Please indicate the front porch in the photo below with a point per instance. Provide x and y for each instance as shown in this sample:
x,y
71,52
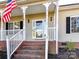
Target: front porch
x,y
38,23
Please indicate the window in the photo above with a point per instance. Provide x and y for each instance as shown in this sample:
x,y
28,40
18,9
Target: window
x,y
39,29
74,24
17,25
13,27
10,26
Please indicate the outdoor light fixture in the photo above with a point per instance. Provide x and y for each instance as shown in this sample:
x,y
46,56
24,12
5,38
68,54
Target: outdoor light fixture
x,y
28,21
50,18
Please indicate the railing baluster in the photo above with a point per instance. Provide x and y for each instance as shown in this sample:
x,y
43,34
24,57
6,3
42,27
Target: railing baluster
x,y
52,33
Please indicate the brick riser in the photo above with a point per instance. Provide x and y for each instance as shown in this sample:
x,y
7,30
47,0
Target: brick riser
x,y
2,45
30,50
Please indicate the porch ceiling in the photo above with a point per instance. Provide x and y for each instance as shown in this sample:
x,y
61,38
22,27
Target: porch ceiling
x,y
33,10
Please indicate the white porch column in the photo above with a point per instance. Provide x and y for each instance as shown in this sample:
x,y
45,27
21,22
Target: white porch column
x,y
24,21
46,30
1,26
57,22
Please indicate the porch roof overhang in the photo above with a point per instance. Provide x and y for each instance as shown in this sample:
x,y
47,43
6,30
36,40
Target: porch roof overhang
x,y
35,6
32,2
26,2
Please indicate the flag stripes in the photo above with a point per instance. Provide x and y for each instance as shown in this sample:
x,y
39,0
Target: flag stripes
x,y
7,11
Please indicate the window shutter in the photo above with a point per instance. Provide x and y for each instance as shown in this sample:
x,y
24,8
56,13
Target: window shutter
x,y
21,24
7,26
68,25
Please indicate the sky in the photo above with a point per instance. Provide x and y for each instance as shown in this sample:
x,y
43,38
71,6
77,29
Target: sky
x,y
63,2
1,0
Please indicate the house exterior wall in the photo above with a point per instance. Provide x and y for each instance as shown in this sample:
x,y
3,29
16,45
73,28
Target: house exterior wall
x,y
63,36
76,45
52,47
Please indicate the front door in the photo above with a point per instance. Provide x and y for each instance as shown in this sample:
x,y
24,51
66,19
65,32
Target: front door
x,y
38,27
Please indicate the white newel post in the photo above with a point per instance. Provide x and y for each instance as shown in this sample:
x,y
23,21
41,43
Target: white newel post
x,y
8,48
57,22
7,41
1,26
46,30
24,21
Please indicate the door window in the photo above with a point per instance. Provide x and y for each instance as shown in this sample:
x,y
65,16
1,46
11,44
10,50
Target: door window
x,y
38,29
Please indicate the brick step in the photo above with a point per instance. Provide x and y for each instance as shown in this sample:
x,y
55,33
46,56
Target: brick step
x,y
32,44
38,52
30,50
32,47
28,43
26,50
2,45
30,56
33,41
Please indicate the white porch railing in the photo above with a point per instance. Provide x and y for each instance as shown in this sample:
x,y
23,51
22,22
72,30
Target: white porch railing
x,y
13,43
51,33
8,33
13,38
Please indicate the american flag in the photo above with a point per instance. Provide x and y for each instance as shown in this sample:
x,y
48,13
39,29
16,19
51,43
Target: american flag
x,y
11,4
